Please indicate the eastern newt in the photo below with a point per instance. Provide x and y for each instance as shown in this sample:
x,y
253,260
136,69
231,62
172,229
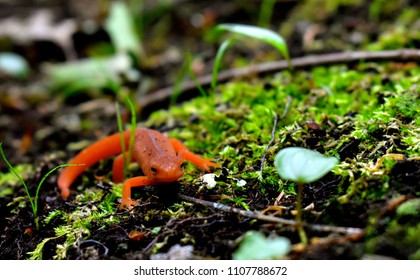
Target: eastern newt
x,y
159,158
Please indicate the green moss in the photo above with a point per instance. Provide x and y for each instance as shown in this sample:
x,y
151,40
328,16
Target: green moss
x,y
348,105
396,238
403,32
410,208
93,210
367,188
411,138
357,114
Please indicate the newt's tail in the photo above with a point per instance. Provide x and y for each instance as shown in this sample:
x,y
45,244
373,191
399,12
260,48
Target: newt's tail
x,y
102,149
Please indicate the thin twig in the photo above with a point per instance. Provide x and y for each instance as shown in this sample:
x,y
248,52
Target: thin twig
x,y
276,66
271,219
273,131
152,243
287,107
273,136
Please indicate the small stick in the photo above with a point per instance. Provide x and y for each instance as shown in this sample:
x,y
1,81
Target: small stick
x,y
346,57
273,136
271,219
286,108
273,131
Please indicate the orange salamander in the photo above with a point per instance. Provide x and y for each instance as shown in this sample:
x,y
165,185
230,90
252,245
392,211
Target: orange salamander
x,y
159,158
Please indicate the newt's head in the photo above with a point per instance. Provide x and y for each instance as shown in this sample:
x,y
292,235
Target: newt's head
x,y
165,169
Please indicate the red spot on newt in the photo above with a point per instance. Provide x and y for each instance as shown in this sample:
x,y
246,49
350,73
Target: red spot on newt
x,y
159,158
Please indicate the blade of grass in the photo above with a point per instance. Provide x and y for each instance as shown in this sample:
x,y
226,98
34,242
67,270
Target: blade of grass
x,y
48,174
132,128
33,202
220,52
126,155
121,130
194,77
186,68
178,83
38,188
34,207
263,34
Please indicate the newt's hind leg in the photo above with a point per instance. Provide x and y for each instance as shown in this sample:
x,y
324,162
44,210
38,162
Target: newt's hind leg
x,y
118,168
183,152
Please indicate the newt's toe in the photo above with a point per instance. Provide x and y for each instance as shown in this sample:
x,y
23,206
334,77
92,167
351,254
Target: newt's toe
x,y
206,164
127,204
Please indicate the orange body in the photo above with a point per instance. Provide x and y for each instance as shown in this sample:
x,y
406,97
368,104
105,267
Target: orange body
x,y
159,158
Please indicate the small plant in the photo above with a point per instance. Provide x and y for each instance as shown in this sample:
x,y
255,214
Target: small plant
x,y
122,18
266,12
106,69
219,55
255,246
302,166
259,33
127,156
32,201
13,65
187,69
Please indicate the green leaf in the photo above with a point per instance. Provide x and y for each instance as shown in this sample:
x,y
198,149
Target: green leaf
x,y
302,165
13,65
88,74
263,34
220,52
120,27
255,246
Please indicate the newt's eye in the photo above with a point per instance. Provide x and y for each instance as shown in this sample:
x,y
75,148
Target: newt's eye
x,y
153,169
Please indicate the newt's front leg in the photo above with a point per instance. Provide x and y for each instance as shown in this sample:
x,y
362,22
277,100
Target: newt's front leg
x,y
203,163
139,181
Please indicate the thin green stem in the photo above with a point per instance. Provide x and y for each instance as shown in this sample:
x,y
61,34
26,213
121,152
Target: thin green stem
x,y
40,184
126,156
299,224
33,205
219,55
178,84
34,201
194,77
48,174
121,130
132,129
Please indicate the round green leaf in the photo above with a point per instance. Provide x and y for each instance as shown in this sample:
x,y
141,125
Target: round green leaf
x,y
255,246
14,65
302,165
